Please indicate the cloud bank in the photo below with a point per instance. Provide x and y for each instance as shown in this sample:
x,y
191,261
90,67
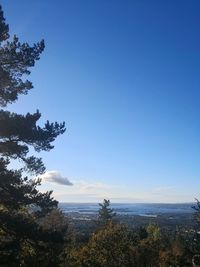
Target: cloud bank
x,y
55,177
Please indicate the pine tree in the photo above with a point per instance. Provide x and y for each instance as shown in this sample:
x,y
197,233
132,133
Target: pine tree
x,y
105,212
21,204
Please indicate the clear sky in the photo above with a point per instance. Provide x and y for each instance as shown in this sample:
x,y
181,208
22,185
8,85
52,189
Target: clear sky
x,y
124,75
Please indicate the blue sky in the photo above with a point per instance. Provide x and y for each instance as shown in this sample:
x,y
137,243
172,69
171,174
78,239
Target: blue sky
x,y
124,75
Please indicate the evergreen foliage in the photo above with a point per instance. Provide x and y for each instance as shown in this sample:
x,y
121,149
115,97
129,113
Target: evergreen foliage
x,y
105,212
22,238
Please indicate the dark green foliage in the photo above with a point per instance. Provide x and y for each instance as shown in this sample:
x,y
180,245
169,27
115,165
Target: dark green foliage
x,y
15,60
18,192
197,211
18,132
196,240
24,241
4,35
105,212
142,233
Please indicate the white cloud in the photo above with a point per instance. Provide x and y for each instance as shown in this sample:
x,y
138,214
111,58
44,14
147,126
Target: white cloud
x,y
55,177
95,191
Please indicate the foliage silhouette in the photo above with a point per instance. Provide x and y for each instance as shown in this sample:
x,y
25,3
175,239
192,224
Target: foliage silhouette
x,y
22,206
106,214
